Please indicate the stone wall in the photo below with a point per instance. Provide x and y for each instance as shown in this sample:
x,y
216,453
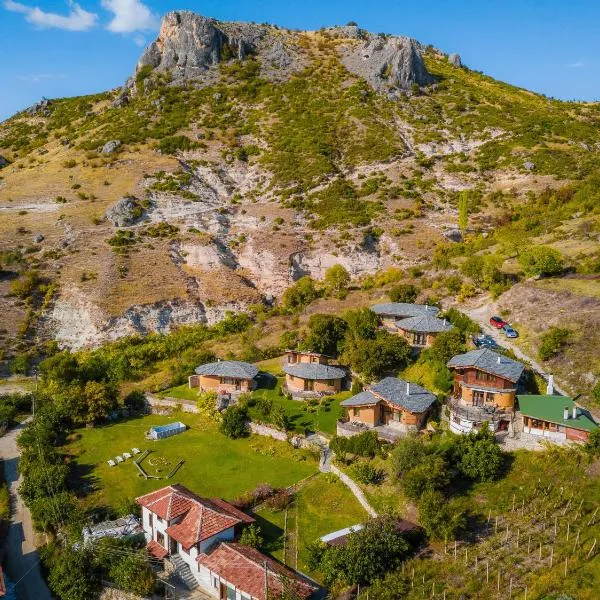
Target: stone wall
x,y
155,404
260,429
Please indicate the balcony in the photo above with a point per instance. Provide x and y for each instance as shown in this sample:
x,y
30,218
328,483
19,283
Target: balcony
x,y
478,414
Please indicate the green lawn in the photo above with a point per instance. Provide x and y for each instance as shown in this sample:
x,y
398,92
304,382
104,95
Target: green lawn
x,y
304,415
324,504
214,464
182,392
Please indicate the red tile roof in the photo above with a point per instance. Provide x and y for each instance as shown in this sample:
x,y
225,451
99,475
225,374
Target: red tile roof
x,y
156,549
244,567
202,518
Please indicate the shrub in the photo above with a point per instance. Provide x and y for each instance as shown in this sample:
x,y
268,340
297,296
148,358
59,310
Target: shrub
x,y
552,342
541,261
234,424
207,404
437,517
337,279
299,295
251,536
170,145
364,444
404,292
280,500
366,473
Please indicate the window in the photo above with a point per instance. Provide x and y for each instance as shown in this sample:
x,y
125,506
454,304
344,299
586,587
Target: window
x,y
309,385
355,412
482,376
150,520
215,582
160,538
478,398
314,359
420,339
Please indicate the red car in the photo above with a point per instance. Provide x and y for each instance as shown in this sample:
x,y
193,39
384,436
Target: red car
x,y
497,322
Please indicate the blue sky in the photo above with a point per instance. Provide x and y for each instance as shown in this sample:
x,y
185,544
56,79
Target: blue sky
x,y
65,48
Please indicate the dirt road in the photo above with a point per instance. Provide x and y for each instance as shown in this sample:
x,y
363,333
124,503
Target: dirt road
x,y
23,559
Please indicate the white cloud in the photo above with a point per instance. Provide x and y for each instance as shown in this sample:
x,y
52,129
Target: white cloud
x,y
129,16
38,77
576,65
78,19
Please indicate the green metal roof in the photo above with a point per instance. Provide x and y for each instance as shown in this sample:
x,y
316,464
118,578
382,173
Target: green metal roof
x,y
551,408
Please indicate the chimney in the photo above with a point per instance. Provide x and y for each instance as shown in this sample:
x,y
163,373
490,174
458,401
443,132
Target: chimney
x,y
574,411
566,413
550,386
407,388
499,359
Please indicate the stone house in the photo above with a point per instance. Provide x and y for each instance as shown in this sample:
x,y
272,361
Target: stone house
x,y
420,332
391,312
484,390
392,403
309,374
225,376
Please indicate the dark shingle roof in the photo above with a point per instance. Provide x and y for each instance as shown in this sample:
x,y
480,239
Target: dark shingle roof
x,y
314,371
404,309
361,399
491,362
425,324
408,395
228,368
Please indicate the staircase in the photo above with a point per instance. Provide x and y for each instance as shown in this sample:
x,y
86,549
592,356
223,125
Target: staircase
x,y
183,572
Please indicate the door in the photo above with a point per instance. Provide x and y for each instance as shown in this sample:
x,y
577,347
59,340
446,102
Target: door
x,y
223,592
172,546
309,385
478,398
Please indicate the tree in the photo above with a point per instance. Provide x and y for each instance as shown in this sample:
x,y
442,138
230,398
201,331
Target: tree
x,y
299,295
325,332
552,342
541,261
207,404
431,475
446,345
100,399
337,280
71,573
408,454
235,422
362,322
437,518
135,401
133,574
404,292
593,443
478,455
251,536
463,210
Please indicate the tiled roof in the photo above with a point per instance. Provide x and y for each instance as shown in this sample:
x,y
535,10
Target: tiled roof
x,y
202,518
244,567
228,368
551,408
424,324
156,549
361,399
489,361
314,371
408,395
404,309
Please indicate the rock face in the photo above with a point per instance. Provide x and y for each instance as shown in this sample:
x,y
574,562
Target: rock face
x,y
41,107
110,146
127,211
189,45
454,59
388,63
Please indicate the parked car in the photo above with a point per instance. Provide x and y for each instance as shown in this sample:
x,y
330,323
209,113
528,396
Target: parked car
x,y
498,322
509,332
485,341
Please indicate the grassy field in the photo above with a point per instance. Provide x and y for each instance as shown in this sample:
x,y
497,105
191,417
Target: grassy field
x,y
322,505
183,392
214,464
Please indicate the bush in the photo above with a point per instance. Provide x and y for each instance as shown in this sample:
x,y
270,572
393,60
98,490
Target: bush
x,y
364,444
299,295
170,145
431,475
552,342
234,424
251,536
404,292
541,261
437,517
207,404
337,279
280,500
365,472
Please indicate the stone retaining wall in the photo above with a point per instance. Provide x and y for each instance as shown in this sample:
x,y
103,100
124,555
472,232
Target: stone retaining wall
x,y
155,402
261,429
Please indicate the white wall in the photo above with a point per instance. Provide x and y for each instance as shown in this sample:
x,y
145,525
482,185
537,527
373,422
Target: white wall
x,y
552,435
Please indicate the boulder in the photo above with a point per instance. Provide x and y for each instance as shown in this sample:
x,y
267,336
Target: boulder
x,y
122,99
38,238
528,165
454,235
454,59
126,212
110,146
41,107
3,162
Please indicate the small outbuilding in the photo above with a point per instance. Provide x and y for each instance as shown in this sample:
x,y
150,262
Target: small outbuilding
x,y
225,376
421,331
313,379
160,432
555,417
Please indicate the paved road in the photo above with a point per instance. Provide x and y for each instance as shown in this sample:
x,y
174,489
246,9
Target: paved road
x,y
481,315
23,559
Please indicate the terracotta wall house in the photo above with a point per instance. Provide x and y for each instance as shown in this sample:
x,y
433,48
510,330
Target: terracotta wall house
x,y
420,332
485,388
313,378
391,312
225,376
392,402
293,357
